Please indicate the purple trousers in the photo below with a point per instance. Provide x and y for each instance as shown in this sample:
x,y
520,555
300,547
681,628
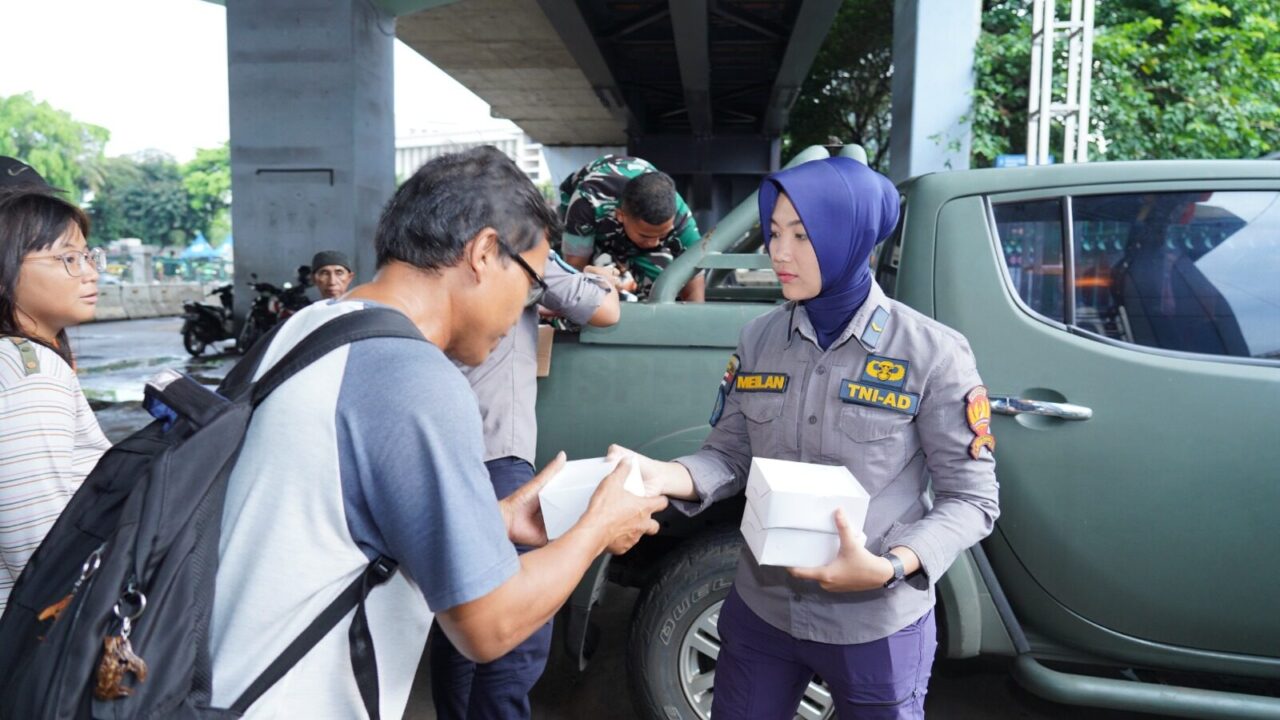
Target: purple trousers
x,y
762,672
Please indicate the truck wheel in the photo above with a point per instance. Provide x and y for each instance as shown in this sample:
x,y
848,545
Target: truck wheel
x,y
672,650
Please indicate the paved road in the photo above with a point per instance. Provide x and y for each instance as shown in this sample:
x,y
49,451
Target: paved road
x,y
980,689
116,358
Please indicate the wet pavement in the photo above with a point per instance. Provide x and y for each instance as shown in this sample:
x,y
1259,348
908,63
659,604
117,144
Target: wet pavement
x,y
116,358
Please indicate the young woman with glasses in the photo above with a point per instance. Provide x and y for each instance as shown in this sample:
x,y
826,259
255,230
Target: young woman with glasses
x,y
49,438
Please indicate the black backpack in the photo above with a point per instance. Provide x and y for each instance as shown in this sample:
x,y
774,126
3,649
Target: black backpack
x,y
126,575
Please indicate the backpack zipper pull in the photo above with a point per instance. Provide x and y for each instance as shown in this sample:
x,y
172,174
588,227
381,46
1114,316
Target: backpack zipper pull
x,y
91,565
118,657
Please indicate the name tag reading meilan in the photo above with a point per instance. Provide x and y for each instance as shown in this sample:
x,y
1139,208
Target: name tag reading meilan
x,y
761,382
879,397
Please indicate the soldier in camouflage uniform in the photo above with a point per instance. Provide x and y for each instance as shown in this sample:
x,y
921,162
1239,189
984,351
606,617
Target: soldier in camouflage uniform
x,y
625,207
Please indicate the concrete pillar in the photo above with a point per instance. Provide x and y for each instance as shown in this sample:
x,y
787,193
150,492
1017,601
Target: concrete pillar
x,y
933,43
312,133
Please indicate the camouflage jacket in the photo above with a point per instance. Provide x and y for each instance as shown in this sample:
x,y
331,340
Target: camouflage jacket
x,y
588,204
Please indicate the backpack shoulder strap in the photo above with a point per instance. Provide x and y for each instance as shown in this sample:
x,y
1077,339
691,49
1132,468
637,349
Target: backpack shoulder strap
x,y
352,327
241,374
363,661
27,351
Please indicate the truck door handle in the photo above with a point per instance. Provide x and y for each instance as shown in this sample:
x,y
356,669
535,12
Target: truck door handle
x,y
1005,405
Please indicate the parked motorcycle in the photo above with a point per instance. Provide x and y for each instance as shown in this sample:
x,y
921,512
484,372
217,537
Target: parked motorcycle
x,y
206,323
272,305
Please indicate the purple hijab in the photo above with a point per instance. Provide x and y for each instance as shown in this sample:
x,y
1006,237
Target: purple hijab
x,y
846,208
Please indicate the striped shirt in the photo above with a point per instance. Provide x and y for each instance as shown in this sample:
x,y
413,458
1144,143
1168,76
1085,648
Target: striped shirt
x,y
49,441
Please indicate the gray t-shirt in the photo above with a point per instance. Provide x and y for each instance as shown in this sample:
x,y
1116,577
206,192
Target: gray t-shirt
x,y
373,449
505,384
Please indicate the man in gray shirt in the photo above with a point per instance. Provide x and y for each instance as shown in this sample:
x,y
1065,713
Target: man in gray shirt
x,y
505,385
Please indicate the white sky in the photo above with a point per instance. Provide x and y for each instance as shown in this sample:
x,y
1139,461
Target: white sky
x,y
154,72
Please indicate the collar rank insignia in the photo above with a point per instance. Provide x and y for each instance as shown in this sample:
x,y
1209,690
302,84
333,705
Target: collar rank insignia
x,y
875,327
762,382
978,413
726,386
889,372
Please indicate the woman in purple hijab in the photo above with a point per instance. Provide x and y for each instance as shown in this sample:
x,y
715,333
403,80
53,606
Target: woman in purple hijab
x,y
841,375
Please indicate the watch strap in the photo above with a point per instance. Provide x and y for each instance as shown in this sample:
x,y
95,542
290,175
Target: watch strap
x,y
899,570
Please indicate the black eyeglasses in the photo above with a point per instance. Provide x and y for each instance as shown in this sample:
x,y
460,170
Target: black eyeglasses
x,y
537,286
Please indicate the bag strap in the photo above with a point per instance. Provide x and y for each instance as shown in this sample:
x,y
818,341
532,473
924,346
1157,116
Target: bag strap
x,y
30,362
241,374
352,327
363,661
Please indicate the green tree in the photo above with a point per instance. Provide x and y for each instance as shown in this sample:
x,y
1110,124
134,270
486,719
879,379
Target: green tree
x,y
143,196
1171,79
847,93
207,181
66,152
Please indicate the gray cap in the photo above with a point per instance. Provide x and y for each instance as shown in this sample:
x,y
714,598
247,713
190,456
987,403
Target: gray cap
x,y
330,257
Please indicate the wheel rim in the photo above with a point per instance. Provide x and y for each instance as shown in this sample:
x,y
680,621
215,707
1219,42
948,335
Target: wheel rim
x,y
697,667
194,345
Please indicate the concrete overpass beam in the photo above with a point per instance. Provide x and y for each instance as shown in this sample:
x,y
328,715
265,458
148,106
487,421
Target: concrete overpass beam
x,y
933,44
689,19
312,132
812,23
581,44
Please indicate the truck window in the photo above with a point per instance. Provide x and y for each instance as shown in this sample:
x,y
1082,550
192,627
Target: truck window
x,y
1188,271
887,256
1031,237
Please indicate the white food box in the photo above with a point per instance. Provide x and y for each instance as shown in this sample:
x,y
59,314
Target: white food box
x,y
565,497
790,515
788,547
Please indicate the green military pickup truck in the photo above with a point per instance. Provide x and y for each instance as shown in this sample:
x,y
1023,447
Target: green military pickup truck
x,y
1126,318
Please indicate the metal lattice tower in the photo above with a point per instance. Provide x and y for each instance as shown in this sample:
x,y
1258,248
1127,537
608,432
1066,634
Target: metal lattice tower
x,y
1074,111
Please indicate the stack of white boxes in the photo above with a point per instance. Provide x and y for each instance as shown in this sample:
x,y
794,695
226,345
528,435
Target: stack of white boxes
x,y
790,515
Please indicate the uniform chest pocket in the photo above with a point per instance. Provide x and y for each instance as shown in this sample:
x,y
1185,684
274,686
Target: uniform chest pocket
x,y
865,424
765,429
876,444
761,407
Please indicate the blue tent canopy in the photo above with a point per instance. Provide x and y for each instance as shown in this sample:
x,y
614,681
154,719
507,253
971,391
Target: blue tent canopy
x,y
200,249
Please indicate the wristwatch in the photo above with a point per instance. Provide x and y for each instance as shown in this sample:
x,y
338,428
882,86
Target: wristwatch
x,y
898,570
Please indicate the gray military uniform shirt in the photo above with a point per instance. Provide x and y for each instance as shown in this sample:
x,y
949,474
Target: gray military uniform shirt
x,y
889,400
505,384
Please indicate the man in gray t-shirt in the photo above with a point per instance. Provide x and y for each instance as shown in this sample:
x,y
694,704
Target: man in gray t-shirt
x,y
506,387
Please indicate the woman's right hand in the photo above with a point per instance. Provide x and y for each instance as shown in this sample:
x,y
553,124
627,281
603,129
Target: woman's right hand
x,y
660,478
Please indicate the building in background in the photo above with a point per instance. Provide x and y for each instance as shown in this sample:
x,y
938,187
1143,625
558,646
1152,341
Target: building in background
x,y
417,147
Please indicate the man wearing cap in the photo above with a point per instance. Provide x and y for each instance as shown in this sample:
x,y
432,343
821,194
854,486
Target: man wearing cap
x,y
331,273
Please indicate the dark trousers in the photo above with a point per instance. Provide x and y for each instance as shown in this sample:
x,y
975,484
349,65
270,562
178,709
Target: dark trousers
x,y
762,672
461,689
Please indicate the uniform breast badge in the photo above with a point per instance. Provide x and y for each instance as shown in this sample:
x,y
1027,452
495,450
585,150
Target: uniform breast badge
x,y
881,386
